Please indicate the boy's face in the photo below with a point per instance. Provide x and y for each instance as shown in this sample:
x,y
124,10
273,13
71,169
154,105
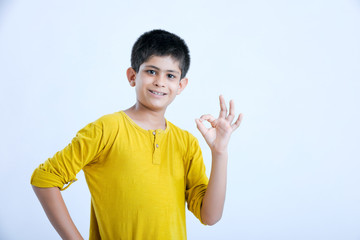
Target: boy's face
x,y
157,83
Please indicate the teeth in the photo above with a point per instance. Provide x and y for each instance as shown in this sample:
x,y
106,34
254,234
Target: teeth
x,y
157,93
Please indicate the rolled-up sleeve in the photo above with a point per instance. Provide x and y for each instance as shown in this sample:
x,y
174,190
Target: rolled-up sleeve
x,y
62,168
196,179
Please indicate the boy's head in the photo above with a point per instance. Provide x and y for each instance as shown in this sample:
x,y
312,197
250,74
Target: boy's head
x,y
160,43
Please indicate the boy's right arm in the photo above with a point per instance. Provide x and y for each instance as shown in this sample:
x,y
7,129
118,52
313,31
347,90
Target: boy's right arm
x,y
55,209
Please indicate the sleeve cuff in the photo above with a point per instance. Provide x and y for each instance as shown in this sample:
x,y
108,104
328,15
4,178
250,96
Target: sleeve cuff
x,y
43,179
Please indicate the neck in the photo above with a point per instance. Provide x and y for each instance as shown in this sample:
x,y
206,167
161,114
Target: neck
x,y
146,118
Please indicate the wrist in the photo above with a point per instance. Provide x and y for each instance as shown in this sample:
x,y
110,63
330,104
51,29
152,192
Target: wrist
x,y
222,153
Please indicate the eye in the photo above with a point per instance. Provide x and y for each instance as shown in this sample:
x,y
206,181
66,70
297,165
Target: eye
x,y
171,76
152,72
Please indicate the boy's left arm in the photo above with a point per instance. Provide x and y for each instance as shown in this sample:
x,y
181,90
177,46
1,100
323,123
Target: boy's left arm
x,y
217,137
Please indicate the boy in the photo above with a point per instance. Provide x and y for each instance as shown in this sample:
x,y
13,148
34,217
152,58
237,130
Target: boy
x,y
139,167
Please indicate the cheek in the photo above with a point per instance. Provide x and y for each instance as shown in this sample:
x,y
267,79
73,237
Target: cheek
x,y
177,89
139,84
174,85
139,89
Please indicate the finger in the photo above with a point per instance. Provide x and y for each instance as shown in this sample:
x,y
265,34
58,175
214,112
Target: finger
x,y
207,117
238,121
223,110
231,115
201,127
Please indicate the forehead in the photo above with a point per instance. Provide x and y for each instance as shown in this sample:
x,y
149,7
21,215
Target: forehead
x,y
165,63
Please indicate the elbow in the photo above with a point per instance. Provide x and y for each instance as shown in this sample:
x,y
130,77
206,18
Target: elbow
x,y
211,221
210,216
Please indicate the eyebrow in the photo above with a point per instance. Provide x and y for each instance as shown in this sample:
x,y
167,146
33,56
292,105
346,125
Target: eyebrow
x,y
152,66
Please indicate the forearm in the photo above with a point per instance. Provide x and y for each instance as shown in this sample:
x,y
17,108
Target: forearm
x,y
55,209
214,198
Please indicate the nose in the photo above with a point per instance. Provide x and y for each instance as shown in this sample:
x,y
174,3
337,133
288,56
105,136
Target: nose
x,y
160,81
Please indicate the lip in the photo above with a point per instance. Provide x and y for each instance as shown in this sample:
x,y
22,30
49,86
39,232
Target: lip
x,y
152,92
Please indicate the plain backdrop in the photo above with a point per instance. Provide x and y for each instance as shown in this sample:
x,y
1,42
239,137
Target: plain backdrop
x,y
292,68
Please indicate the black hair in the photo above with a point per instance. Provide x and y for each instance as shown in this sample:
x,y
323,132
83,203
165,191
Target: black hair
x,y
160,43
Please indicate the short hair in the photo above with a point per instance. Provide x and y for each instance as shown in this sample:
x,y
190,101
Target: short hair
x,y
160,43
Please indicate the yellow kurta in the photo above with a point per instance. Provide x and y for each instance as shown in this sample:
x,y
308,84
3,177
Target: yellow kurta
x,y
139,179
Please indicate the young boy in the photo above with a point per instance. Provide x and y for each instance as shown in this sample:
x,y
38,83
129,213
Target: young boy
x,y
139,167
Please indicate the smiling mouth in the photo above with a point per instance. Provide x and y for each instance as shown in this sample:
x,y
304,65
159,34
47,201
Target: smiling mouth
x,y
157,93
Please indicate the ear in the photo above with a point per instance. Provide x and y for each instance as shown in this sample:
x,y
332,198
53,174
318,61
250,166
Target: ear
x,y
182,84
131,76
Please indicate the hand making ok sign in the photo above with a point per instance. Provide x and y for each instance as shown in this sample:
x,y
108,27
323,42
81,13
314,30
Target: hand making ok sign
x,y
218,135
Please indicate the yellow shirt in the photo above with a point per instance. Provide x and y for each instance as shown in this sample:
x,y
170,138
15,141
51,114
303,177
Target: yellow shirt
x,y
139,179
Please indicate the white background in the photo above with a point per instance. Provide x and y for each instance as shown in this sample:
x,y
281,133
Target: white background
x,y
292,67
